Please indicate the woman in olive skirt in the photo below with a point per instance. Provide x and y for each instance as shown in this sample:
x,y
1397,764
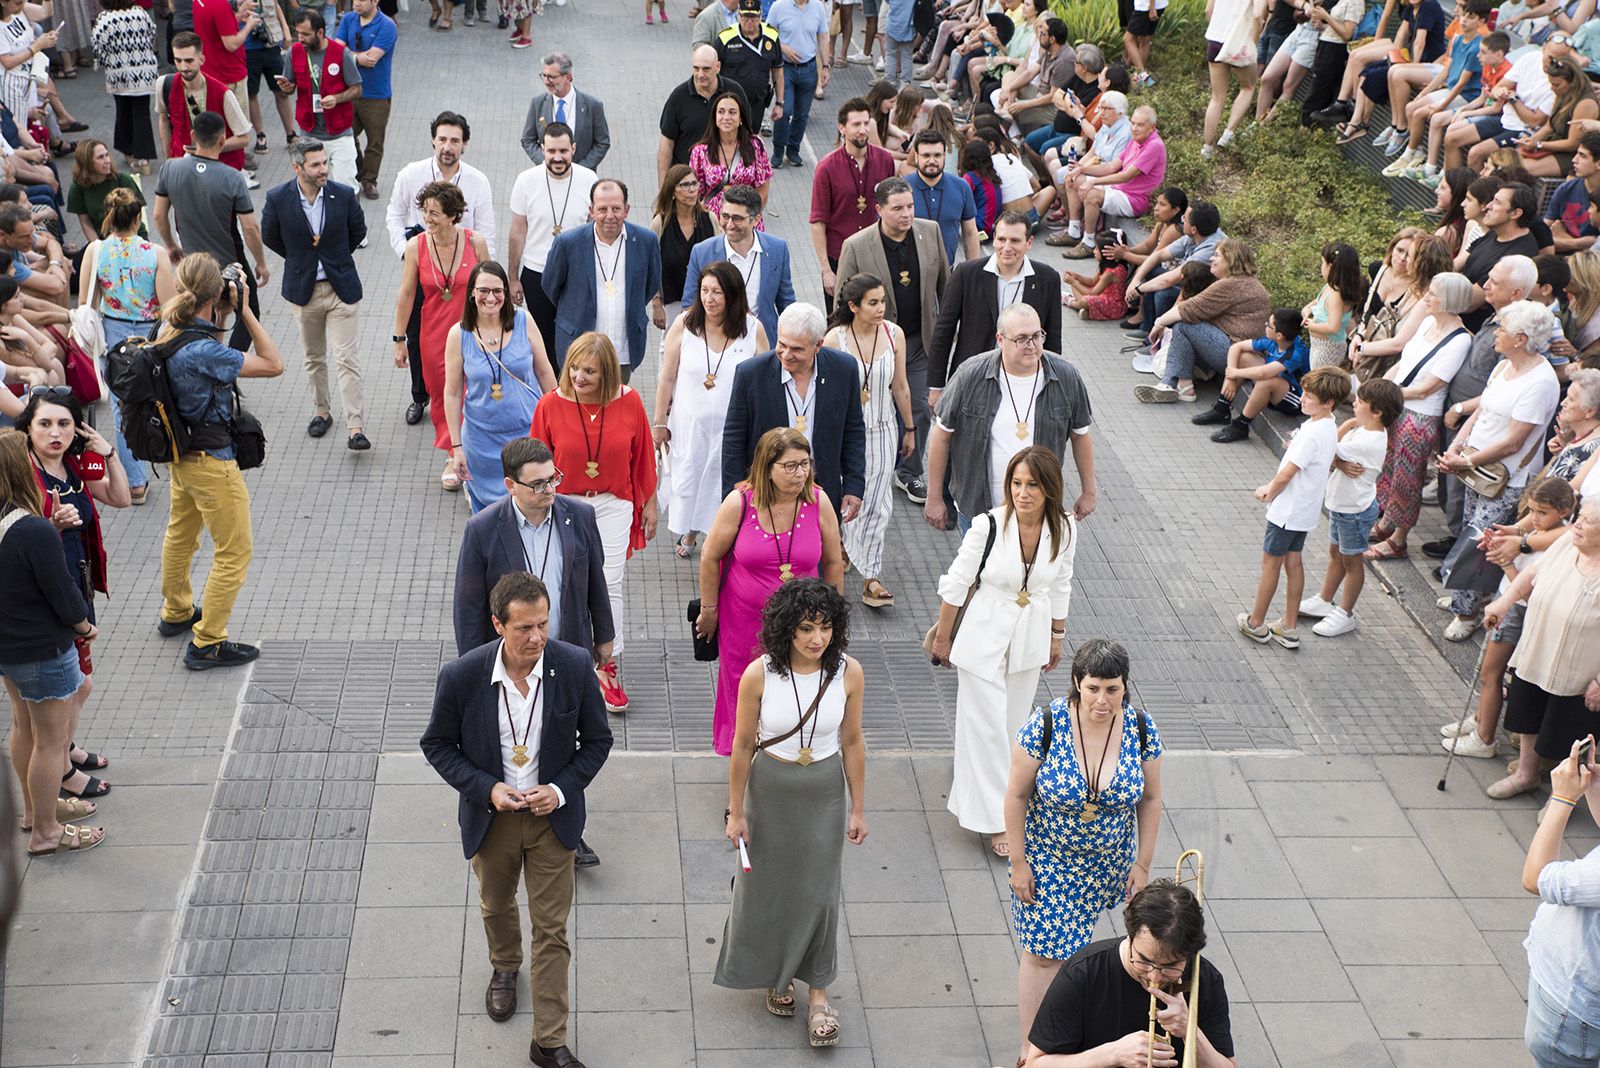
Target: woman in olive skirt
x,y
796,744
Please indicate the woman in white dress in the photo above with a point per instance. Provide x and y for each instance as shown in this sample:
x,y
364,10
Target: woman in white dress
x,y
880,349
704,346
1020,556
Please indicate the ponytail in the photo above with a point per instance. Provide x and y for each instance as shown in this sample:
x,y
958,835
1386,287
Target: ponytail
x,y
122,212
199,282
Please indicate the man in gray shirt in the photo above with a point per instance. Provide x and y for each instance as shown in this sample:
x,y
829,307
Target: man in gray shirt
x,y
212,205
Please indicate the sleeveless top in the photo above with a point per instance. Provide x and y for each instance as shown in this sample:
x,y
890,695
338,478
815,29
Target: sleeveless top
x,y
126,276
781,709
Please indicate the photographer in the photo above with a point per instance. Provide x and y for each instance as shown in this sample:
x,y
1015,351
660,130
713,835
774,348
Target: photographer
x,y
208,489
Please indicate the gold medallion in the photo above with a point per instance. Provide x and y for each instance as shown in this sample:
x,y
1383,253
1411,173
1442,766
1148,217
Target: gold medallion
x,y
445,293
519,755
805,756
611,287
316,239
866,395
905,279
1022,431
1090,811
785,572
1023,599
711,381
495,392
800,423
555,231
861,203
592,469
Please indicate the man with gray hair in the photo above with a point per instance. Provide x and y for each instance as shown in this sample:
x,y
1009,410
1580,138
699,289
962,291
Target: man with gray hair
x,y
1126,187
560,102
813,389
1095,157
999,403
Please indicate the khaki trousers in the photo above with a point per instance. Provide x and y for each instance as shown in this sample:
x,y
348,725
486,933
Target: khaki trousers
x,y
520,843
326,321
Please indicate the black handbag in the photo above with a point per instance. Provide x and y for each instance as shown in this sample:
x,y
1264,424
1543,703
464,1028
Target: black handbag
x,y
705,649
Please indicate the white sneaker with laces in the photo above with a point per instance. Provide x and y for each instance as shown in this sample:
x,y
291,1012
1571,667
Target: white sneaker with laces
x,y
859,57
1316,607
1456,729
1226,139
1335,623
1470,745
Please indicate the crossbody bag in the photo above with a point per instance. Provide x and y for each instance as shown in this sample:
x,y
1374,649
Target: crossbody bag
x,y
955,628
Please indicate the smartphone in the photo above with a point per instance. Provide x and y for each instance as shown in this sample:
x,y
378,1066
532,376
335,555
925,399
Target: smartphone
x,y
1586,750
1074,98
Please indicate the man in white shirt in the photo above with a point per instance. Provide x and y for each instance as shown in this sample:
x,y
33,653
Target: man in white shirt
x,y
404,218
545,200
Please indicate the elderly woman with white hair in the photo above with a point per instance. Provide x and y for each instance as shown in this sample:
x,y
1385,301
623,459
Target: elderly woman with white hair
x,y
1508,428
1554,698
1096,158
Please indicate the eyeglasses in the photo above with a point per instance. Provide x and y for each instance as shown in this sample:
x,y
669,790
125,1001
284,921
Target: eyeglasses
x,y
498,292
728,217
541,485
793,467
1175,968
553,77
52,392
689,183
1026,340
1559,38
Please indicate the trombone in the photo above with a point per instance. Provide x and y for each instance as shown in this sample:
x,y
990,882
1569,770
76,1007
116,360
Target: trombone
x,y
1192,995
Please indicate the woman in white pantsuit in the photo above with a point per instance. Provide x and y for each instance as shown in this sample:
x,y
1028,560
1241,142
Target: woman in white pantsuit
x,y
880,351
1014,626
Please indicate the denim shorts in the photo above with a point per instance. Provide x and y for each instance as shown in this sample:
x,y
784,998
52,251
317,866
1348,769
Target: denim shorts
x,y
1510,628
1281,542
46,680
1349,530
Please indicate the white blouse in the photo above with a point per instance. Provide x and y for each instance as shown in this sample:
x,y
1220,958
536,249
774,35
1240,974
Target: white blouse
x,y
785,700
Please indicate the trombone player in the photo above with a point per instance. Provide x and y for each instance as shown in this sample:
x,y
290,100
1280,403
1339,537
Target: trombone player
x,y
1097,1010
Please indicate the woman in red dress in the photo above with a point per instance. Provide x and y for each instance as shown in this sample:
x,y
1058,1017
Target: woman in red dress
x,y
439,259
600,434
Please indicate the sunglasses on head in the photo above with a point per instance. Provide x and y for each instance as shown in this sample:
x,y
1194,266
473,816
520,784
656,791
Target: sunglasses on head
x,y
50,392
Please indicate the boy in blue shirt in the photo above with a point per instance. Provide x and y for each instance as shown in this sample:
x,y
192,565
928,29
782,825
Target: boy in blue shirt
x,y
1272,364
1567,210
370,36
1443,87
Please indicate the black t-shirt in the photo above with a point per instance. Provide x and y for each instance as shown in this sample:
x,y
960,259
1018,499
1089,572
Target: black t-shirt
x,y
1093,1000
1482,256
686,115
1086,92
1281,21
906,279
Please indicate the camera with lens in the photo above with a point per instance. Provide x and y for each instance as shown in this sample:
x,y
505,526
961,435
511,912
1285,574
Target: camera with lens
x,y
234,287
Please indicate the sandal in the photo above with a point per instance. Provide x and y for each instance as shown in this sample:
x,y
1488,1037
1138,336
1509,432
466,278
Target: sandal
x,y
875,595
91,762
450,482
1000,847
781,1004
1386,550
68,810
261,143
684,546
1349,133
823,1024
1380,532
140,494
72,840
94,788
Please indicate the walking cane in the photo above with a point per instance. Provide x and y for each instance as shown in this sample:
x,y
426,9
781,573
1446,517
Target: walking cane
x,y
1472,688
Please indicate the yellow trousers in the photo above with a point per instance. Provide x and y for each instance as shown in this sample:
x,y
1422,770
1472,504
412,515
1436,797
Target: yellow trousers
x,y
207,494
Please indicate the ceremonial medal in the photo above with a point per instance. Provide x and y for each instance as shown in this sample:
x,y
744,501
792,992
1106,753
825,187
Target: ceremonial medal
x,y
805,756
1022,431
800,423
592,469
611,288
861,203
905,279
519,755
866,395
445,293
316,239
1090,811
555,231
1023,599
519,748
785,572
711,381
495,392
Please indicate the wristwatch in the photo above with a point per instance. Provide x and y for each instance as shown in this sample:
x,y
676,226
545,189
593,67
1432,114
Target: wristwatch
x,y
1523,546
399,339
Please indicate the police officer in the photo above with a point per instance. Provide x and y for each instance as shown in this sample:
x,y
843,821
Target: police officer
x,y
750,56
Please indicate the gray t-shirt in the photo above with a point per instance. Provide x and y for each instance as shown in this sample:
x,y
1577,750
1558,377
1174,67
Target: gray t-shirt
x,y
207,197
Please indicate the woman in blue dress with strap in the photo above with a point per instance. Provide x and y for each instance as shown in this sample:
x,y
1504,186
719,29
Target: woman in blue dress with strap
x,y
493,360
1082,808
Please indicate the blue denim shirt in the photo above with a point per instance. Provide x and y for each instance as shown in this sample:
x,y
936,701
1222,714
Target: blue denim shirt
x,y
202,374
1565,930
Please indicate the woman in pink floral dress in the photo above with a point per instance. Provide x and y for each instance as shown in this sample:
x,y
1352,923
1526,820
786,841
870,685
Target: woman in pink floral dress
x,y
729,154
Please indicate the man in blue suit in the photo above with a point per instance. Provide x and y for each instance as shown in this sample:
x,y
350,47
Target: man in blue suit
x,y
815,390
602,276
762,260
315,225
519,729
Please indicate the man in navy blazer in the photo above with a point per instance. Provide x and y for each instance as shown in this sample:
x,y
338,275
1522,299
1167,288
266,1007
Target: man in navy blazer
x,y
315,225
602,276
815,390
762,260
519,729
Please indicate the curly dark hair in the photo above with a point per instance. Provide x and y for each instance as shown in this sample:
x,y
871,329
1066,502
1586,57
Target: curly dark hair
x,y
795,602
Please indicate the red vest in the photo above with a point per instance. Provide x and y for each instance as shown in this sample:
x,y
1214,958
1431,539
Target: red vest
x,y
340,117
178,115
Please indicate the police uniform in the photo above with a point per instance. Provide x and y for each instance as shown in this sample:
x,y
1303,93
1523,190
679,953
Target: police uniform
x,y
751,63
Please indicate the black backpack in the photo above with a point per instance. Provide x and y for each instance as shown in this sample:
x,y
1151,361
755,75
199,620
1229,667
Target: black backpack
x,y
136,370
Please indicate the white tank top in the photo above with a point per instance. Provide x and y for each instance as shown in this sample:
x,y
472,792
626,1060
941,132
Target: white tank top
x,y
781,709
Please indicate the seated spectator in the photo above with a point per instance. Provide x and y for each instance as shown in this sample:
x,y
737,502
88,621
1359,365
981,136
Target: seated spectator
x,y
1027,95
1507,219
1586,44
1372,355
1421,35
1547,152
1327,319
1110,140
1126,190
1057,144
1493,66
1155,283
1286,62
1204,328
1480,191
38,262
1389,293
1439,88
1272,364
1567,210
1336,26
1167,213
1519,102
1103,297
1447,201
94,174
1582,320
977,170
1554,276
22,345
1538,22
1019,188
1076,100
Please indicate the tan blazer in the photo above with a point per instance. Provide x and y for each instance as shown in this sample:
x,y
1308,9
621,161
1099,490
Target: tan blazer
x,y
863,251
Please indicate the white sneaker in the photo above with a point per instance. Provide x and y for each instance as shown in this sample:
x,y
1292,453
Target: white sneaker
x,y
1402,163
1443,603
1316,607
1226,139
1144,363
1207,152
1335,623
1470,745
1456,729
1460,629
877,64
1430,492
859,57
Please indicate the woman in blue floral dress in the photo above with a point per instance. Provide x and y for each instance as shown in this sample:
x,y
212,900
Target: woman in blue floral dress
x,y
1081,841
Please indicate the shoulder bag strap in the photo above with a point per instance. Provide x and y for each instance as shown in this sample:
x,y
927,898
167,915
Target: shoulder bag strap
x,y
12,518
1417,370
815,702
988,545
93,256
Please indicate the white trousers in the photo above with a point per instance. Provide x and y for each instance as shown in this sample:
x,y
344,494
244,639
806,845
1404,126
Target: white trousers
x,y
614,518
988,716
341,159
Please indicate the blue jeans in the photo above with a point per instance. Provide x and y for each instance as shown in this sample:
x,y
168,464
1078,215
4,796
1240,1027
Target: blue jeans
x,y
798,85
1556,1038
116,330
1195,343
1154,305
1045,138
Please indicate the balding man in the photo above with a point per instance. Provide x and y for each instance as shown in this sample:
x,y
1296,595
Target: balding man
x,y
1127,189
997,403
687,112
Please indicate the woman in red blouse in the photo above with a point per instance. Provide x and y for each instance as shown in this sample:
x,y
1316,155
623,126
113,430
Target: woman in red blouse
x,y
600,434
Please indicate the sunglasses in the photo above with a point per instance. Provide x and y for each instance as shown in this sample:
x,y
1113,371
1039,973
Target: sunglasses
x,y
51,392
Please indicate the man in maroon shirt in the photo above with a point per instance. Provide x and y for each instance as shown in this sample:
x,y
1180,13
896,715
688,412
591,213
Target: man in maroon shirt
x,y
841,191
222,38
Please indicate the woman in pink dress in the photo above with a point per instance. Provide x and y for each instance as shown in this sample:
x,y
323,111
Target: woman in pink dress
x,y
776,527
440,259
729,154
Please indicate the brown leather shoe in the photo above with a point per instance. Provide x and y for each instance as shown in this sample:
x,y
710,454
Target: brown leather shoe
x,y
501,997
560,1057
369,190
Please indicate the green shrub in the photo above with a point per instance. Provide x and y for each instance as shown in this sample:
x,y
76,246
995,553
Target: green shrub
x,y
1095,22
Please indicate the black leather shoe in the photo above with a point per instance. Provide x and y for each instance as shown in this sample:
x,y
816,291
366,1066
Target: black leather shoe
x,y
560,1057
1439,549
1236,430
501,997
222,654
358,442
172,630
414,412
318,426
585,857
1212,416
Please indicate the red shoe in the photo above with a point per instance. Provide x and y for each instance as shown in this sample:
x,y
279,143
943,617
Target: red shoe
x,y
649,19
611,688
522,42
663,16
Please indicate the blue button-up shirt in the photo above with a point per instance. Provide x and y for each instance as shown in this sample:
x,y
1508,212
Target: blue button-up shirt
x,y
1565,930
202,374
316,210
798,28
541,552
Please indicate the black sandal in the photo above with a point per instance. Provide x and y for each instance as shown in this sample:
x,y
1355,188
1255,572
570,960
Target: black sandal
x,y
91,762
95,788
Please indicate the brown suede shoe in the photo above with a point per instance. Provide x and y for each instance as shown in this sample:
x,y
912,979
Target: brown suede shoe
x,y
501,997
559,1057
